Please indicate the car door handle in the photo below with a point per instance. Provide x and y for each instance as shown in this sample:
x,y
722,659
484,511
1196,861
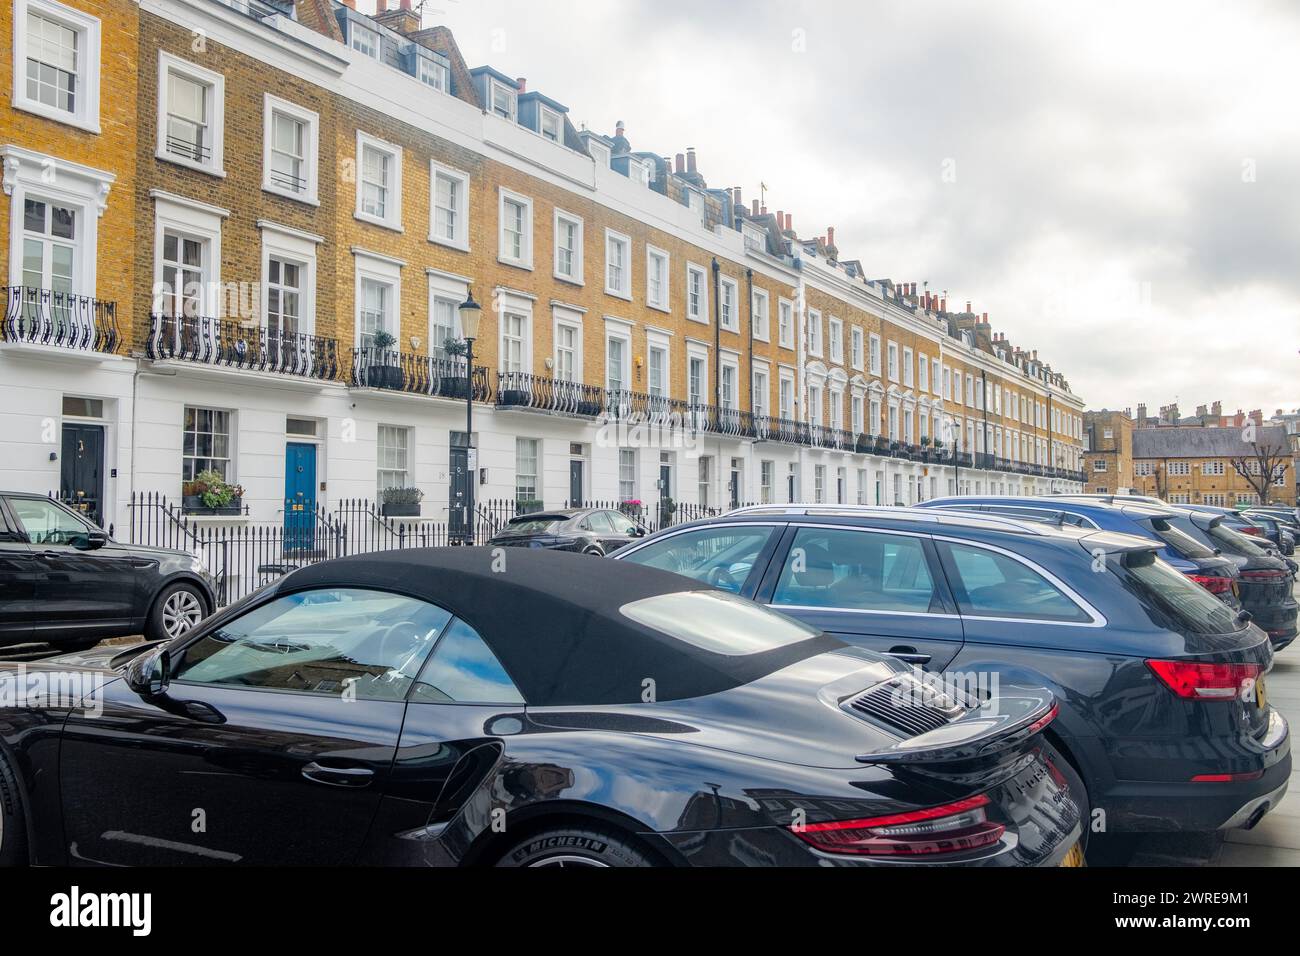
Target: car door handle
x,y
908,654
338,776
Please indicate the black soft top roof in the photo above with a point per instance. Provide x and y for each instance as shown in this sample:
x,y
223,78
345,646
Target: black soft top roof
x,y
553,620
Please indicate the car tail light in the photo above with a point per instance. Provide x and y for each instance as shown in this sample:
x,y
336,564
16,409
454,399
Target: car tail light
x,y
1213,583
1267,575
951,828
1199,681
1252,529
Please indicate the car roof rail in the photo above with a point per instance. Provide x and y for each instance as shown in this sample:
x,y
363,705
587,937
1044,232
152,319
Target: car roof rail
x,y
897,513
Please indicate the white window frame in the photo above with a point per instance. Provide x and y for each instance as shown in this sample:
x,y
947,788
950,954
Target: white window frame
x,y
725,285
857,347
407,444
762,322
760,391
578,238
814,332
382,269
658,341
565,318
909,367
392,218
511,304
653,253
835,334
511,97
525,259
873,355
625,290
196,220
785,323
891,360
922,372
445,287
356,29
168,64
621,330
701,315
542,113
460,240
272,105
292,245
85,115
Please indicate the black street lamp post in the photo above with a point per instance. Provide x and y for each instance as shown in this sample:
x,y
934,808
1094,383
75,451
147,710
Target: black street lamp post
x,y
470,314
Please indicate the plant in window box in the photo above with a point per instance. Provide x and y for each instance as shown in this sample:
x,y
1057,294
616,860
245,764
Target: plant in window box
x,y
453,383
385,366
209,493
401,502
631,508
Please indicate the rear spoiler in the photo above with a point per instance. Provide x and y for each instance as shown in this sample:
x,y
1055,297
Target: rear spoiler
x,y
1113,542
1003,723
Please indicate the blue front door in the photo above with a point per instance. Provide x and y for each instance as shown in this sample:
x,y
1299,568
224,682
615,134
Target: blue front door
x,y
299,496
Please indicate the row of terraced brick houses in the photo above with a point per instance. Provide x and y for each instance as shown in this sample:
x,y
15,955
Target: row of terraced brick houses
x,y
239,233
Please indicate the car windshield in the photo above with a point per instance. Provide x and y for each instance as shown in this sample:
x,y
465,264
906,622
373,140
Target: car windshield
x,y
536,524
718,622
1180,541
1172,599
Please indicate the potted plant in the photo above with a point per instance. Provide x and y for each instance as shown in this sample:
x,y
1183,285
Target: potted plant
x,y
209,493
667,508
384,372
453,369
401,502
631,508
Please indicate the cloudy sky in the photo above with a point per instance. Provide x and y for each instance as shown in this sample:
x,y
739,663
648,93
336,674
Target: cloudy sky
x,y
1117,185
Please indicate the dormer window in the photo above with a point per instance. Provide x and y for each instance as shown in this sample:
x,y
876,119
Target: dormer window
x,y
696,203
755,238
504,100
599,152
363,39
433,72
552,125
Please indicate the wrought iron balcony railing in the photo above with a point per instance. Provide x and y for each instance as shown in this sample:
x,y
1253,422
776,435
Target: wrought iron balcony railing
x,y
60,319
416,374
621,405
524,390
225,343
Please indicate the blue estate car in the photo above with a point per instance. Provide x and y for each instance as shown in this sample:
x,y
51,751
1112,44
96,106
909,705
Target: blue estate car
x,y
1160,684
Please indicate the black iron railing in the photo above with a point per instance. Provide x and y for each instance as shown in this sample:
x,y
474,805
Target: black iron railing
x,y
59,319
230,344
417,374
522,390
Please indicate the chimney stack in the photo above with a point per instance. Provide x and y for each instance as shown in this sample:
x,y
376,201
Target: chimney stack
x,y
789,222
830,235
753,207
780,224
681,165
690,159
943,305
520,81
402,19
968,306
985,319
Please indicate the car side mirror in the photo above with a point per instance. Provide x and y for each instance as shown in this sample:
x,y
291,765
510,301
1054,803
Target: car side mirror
x,y
149,674
638,531
93,541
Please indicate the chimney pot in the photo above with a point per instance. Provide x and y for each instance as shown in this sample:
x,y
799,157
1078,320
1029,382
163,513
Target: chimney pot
x,y
520,81
985,318
404,5
690,159
830,235
943,305
789,222
753,206
780,224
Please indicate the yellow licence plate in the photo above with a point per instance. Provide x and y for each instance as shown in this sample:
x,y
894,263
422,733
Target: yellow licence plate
x,y
1260,700
1074,857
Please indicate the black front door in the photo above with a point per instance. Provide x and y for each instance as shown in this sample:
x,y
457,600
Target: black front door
x,y
81,475
458,493
575,482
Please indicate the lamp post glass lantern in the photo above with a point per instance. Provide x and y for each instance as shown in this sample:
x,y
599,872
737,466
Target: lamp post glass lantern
x,y
470,315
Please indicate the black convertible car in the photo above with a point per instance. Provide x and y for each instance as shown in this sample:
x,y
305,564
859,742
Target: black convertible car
x,y
439,708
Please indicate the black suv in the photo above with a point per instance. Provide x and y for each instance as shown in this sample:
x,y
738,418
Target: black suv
x,y
65,581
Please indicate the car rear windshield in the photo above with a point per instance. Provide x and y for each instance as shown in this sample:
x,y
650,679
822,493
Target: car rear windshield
x,y
539,524
1173,600
718,622
1236,542
1180,541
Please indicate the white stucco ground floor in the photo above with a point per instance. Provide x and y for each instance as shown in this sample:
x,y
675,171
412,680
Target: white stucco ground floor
x,y
107,429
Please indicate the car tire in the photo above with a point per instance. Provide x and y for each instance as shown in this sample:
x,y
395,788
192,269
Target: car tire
x,y
575,847
176,610
13,822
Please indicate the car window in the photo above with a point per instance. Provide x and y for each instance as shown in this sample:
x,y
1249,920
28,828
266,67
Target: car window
x,y
1042,515
721,555
620,522
718,623
989,584
1171,599
598,522
856,570
1182,542
463,670
342,641
47,523
1234,542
